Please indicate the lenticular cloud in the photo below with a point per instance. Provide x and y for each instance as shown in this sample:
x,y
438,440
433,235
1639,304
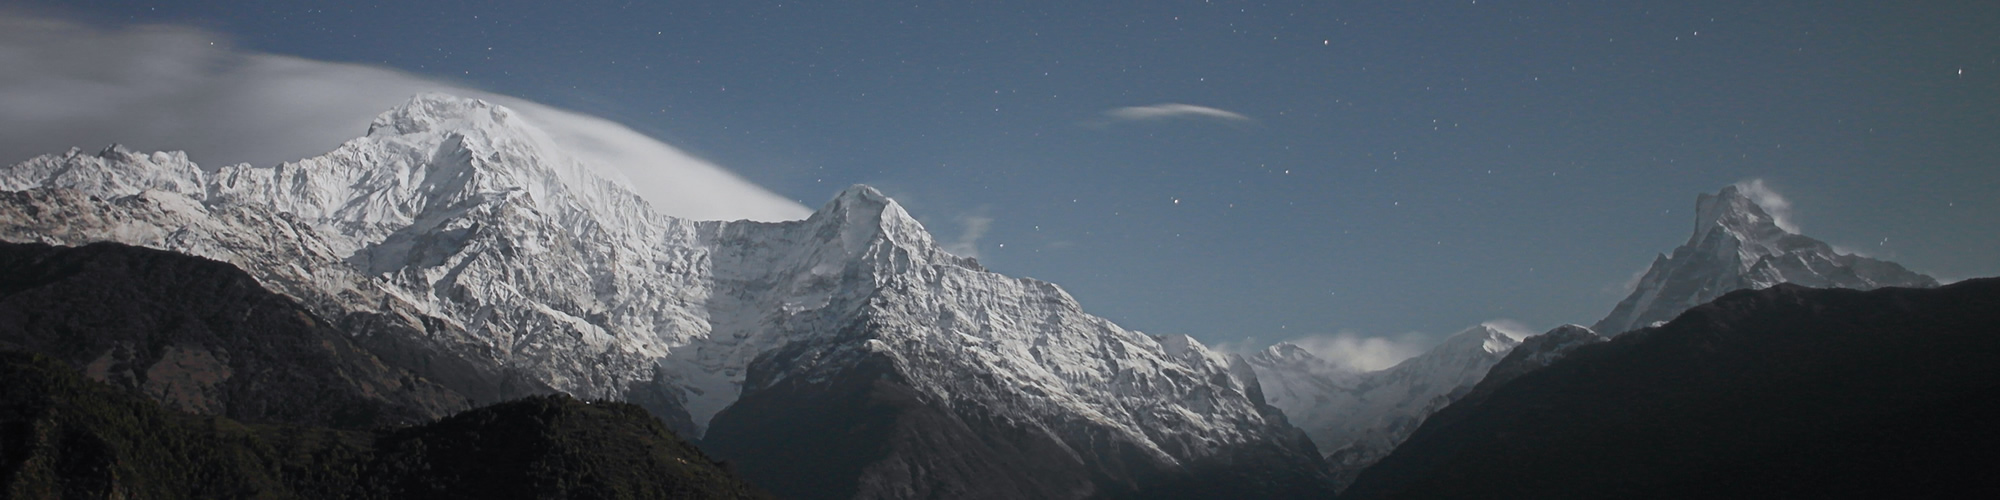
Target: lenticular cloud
x,y
185,89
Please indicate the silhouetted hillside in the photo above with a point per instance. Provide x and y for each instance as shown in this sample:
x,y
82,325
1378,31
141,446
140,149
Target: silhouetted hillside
x,y
62,436
201,336
1786,392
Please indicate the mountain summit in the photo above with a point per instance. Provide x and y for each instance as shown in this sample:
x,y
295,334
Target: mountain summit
x,y
1737,245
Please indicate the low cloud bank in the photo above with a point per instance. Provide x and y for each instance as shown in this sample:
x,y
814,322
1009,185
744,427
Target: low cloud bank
x,y
1351,351
166,87
1347,351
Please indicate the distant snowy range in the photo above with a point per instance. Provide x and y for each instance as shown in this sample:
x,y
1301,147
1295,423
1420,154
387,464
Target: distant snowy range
x,y
845,355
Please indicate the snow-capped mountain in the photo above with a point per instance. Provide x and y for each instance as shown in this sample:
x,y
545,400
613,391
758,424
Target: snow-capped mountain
x,y
1356,417
1738,245
461,221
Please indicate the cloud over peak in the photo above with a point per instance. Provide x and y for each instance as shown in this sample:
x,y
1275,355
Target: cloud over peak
x,y
177,88
1773,203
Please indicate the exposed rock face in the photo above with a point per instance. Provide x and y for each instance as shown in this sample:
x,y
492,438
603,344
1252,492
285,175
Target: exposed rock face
x,y
455,227
1737,245
1785,391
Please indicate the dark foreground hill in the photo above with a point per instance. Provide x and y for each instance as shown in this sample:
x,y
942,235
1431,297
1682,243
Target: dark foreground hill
x,y
63,436
202,336
1785,392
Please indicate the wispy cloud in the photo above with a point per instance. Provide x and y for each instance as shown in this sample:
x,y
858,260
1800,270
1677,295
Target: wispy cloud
x,y
166,87
974,228
1623,288
1772,203
1166,111
1353,351
1348,351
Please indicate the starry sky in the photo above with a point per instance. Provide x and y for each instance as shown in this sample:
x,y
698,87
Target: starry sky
x,y
1249,172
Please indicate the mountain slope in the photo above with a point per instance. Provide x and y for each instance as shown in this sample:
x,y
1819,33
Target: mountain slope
x,y
1357,418
970,383
1737,245
1783,392
68,437
201,336
460,220
1535,353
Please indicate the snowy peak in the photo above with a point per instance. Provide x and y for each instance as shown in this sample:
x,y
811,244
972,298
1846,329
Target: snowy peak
x,y
1481,338
865,223
1287,354
1739,244
865,212
438,157
1732,211
428,113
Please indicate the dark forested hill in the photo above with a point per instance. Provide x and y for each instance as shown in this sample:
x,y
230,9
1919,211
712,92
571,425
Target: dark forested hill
x,y
201,336
1785,392
62,436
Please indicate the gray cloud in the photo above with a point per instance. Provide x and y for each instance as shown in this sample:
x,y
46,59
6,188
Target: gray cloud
x,y
169,87
1353,352
1772,203
1356,352
1173,110
967,244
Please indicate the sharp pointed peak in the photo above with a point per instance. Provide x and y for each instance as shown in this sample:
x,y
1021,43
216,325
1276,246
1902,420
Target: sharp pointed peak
x,y
1491,336
1747,209
860,202
862,193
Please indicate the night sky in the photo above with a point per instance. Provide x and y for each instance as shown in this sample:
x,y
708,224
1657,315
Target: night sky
x,y
1247,172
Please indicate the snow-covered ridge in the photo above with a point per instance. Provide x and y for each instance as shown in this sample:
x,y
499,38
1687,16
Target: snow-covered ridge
x,y
1738,245
112,172
1356,417
459,210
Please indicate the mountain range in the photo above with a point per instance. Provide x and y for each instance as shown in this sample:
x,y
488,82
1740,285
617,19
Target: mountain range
x,y
456,232
454,255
